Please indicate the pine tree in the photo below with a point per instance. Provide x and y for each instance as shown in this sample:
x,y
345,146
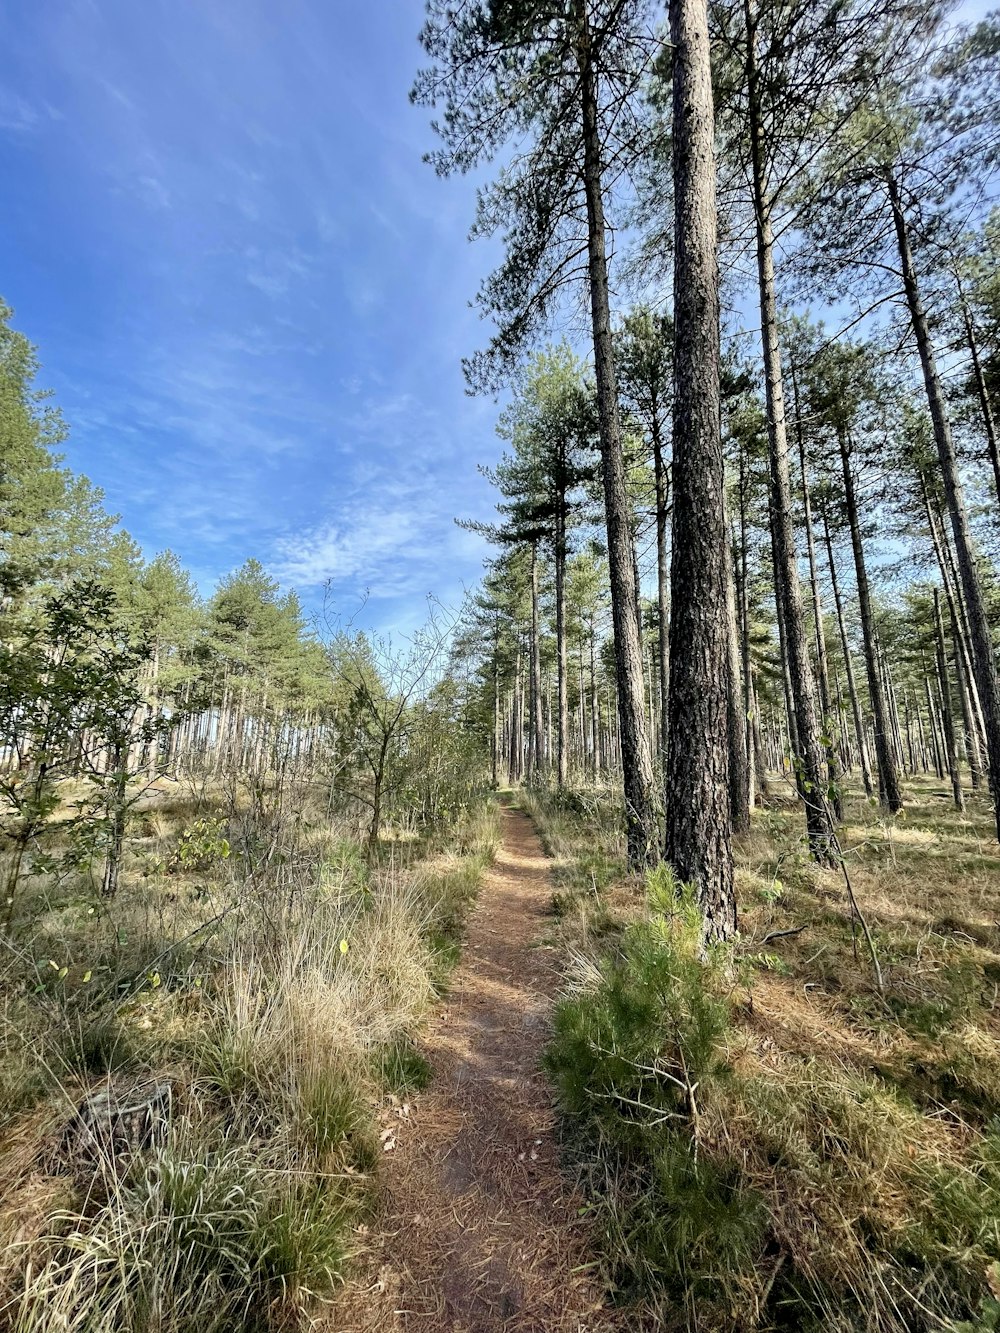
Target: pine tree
x,y
563,83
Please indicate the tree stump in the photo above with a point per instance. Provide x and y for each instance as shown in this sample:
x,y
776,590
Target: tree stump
x,y
117,1121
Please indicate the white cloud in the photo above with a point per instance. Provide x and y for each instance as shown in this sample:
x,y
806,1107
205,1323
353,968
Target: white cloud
x,y
19,115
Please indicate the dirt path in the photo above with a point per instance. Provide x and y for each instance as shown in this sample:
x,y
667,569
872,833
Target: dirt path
x,y
479,1230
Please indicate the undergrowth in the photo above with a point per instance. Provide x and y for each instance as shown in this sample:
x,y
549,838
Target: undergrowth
x,y
277,993
766,1141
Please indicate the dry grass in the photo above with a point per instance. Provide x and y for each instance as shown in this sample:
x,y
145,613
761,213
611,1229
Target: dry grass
x,y
858,1129
275,979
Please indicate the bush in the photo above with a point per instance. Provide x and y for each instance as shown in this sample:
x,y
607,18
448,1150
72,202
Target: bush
x,y
631,1057
632,1053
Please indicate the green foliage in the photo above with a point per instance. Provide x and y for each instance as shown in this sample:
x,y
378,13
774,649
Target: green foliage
x,y
334,1116
988,1318
200,846
631,1054
401,1067
631,1058
202,1236
684,1227
32,486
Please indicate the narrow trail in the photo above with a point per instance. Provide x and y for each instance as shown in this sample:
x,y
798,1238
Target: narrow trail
x,y
479,1230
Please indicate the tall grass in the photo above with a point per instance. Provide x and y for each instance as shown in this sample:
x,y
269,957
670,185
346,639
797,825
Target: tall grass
x,y
277,998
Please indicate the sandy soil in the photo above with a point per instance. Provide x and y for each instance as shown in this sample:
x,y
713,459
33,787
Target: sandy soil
x,y
479,1230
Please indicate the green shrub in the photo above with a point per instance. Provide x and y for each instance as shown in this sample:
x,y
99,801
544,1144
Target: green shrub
x,y
631,1058
683,1230
200,846
333,1116
632,1053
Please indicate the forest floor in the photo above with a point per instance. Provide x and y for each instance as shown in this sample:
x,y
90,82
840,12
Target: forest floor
x,y
478,1229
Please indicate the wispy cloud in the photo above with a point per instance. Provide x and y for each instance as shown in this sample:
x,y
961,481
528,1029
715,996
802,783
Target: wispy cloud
x,y
21,116
255,321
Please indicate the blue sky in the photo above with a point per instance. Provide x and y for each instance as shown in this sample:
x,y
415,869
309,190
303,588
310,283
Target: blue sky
x,y
248,292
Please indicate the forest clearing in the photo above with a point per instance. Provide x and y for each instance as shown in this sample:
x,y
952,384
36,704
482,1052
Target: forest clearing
x,y
608,938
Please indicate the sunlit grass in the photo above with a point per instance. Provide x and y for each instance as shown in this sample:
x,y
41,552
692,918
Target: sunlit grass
x,y
843,1168
280,1005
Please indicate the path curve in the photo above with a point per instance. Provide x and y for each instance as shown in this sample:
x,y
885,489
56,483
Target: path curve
x,y
479,1230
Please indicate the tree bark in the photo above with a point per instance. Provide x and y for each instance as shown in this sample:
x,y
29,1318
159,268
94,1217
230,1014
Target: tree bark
x,y
698,841
822,670
637,768
949,729
852,687
662,584
562,738
811,783
757,780
967,694
740,782
536,749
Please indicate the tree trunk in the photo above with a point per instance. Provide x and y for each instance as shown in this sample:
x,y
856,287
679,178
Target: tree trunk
x,y
118,817
932,722
949,729
983,658
740,784
972,749
496,717
637,768
809,768
698,822
986,407
888,778
786,681
967,695
852,687
595,707
536,751
757,779
822,670
562,741
662,585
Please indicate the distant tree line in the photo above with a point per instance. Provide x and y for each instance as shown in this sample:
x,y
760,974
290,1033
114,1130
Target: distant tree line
x,y
115,675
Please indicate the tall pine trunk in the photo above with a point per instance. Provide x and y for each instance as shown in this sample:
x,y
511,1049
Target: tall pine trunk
x,y
852,685
984,665
536,748
562,739
949,728
822,669
698,840
662,584
740,782
811,782
888,778
637,768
